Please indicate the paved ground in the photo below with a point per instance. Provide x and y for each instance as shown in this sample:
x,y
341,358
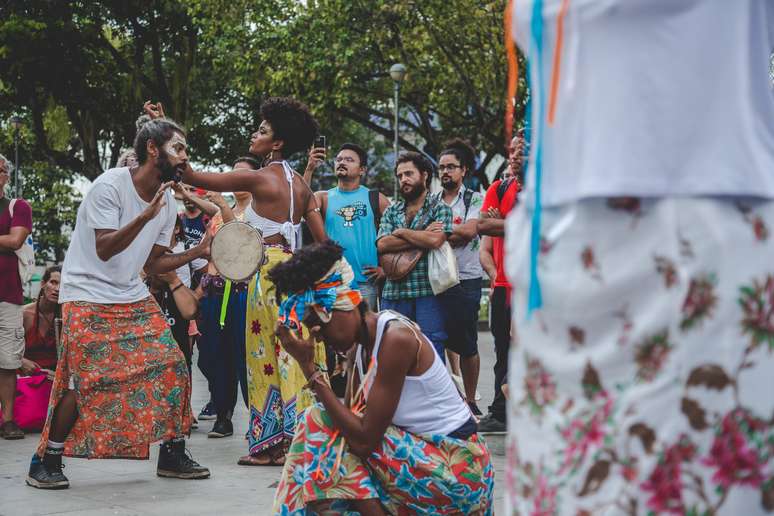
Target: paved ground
x,y
124,487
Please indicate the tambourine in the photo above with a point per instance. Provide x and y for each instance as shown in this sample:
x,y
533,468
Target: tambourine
x,y
237,251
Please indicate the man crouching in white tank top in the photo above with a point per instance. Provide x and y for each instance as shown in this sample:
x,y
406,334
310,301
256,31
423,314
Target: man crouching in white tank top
x,y
405,436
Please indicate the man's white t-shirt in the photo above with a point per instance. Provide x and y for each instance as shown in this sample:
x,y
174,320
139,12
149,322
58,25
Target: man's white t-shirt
x,y
656,98
468,261
112,203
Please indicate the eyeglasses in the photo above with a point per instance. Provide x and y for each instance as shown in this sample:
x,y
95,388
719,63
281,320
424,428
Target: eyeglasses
x,y
448,168
344,159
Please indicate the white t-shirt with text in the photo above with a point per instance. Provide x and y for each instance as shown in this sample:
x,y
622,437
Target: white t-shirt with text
x,y
112,203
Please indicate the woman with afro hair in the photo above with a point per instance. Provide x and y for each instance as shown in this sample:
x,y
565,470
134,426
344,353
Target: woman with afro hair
x,y
403,441
280,199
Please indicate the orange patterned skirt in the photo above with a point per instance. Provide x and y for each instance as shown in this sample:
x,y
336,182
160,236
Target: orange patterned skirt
x,y
129,376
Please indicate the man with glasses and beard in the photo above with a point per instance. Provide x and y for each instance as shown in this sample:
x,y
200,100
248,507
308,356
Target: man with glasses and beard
x,y
122,381
462,302
417,222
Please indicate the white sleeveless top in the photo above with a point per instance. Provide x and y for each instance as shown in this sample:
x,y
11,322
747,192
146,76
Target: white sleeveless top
x,y
268,227
429,403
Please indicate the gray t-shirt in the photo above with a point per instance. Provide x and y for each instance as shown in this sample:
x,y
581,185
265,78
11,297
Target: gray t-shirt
x,y
468,261
112,203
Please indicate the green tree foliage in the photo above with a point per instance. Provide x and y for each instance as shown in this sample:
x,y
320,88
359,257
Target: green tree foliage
x,y
79,71
51,194
95,63
54,207
335,55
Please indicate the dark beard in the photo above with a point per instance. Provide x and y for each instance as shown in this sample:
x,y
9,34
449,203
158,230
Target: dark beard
x,y
168,171
412,194
448,185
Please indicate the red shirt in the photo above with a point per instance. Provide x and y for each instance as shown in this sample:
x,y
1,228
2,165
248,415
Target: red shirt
x,y
505,205
41,349
10,282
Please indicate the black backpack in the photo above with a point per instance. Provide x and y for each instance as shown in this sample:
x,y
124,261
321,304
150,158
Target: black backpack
x,y
503,187
467,198
373,200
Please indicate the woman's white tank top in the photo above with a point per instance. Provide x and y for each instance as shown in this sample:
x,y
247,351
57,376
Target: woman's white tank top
x,y
268,227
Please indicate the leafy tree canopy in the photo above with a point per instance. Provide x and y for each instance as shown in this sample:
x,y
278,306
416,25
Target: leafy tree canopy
x,y
78,73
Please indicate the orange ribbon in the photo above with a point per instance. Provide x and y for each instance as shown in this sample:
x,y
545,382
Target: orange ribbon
x,y
557,61
513,73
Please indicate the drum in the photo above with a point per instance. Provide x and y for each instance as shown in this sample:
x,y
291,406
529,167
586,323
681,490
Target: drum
x,y
237,250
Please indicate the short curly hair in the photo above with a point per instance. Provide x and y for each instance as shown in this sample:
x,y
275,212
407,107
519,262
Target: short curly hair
x,y
291,122
305,267
423,164
462,150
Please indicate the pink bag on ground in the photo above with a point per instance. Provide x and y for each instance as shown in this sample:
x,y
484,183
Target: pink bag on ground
x,y
31,404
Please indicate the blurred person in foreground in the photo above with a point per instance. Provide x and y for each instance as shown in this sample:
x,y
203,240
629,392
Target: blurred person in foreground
x,y
643,278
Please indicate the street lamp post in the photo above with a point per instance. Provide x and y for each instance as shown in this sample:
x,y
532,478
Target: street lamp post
x,y
398,73
17,184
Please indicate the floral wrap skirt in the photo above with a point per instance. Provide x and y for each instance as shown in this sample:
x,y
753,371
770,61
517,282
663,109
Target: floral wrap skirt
x,y
129,376
408,473
644,384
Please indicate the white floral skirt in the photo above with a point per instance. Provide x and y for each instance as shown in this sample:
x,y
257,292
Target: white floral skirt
x,y
645,384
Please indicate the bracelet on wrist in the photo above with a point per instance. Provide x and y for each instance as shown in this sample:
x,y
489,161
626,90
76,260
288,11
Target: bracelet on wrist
x,y
314,378
176,287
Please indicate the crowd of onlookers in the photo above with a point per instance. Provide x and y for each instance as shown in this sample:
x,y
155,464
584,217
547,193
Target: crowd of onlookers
x,y
375,234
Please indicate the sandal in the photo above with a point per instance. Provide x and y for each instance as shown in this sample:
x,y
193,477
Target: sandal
x,y
262,459
278,459
273,457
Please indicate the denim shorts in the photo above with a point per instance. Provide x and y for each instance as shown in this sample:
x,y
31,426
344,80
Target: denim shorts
x,y
370,293
426,311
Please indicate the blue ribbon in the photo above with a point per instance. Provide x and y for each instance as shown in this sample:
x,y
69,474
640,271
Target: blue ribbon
x,y
535,299
292,309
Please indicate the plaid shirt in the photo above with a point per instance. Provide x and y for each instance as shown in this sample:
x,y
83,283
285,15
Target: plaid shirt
x,y
417,283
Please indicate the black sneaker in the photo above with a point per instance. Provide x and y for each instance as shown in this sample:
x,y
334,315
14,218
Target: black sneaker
x,y
221,428
474,408
491,425
175,461
208,413
47,475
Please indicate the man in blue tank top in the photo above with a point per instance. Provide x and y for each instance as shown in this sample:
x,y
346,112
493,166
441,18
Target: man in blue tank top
x,y
352,214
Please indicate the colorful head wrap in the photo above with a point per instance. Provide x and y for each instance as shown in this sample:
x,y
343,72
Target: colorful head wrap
x,y
331,292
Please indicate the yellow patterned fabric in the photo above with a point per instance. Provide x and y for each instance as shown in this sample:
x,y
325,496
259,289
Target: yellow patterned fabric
x,y
274,379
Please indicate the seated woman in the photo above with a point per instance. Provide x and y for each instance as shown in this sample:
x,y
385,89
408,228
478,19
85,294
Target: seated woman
x,y
39,320
407,440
